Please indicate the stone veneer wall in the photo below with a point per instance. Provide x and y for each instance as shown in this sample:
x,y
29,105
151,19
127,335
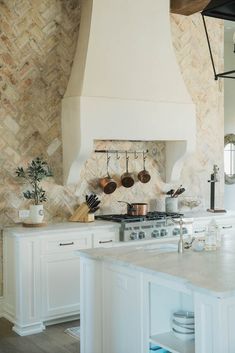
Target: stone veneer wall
x,y
37,45
208,96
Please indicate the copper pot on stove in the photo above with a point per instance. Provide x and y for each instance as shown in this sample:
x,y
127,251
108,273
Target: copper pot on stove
x,y
136,209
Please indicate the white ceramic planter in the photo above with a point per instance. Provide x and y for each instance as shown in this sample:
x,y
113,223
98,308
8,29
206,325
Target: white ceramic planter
x,y
36,213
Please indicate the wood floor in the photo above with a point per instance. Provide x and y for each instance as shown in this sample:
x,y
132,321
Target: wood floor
x,y
52,340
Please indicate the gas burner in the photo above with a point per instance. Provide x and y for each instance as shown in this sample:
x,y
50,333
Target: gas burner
x,y
155,225
151,216
120,218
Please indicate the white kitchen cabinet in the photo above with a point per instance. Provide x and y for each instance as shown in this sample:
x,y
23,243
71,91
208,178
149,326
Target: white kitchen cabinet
x,y
60,266
60,285
133,306
224,222
42,272
136,310
104,239
121,310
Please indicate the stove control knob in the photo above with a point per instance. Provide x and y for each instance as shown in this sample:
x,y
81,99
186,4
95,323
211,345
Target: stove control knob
x,y
133,236
164,232
141,235
155,234
176,231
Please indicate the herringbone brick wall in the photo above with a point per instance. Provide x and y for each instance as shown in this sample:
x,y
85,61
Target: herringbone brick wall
x,y
208,95
37,45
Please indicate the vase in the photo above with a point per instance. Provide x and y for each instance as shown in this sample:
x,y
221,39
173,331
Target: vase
x,y
171,204
36,213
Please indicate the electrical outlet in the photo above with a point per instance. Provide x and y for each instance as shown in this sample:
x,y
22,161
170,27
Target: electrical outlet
x,y
23,214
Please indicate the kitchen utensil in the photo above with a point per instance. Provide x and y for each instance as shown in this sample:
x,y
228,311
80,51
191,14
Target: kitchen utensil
x,y
93,210
176,191
107,183
136,209
144,176
179,192
92,202
170,192
127,179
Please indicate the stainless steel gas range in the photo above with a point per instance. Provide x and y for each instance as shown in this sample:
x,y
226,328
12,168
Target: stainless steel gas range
x,y
155,225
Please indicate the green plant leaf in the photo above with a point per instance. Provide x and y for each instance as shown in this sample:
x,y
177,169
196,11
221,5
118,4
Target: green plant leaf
x,y
35,172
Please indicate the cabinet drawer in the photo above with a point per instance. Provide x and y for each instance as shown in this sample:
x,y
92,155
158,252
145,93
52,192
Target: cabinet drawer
x,y
105,239
199,229
66,243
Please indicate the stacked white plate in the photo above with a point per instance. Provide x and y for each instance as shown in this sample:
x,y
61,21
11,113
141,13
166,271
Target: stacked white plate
x,y
183,325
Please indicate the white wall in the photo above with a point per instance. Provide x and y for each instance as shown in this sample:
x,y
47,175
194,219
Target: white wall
x,y
229,115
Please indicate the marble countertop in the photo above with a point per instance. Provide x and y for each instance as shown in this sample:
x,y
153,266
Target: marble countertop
x,y
58,227
201,215
208,272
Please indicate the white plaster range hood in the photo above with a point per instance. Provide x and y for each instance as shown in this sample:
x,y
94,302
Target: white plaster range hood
x,y
126,84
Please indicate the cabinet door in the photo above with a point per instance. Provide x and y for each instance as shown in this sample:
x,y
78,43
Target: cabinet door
x,y
122,320
105,238
60,285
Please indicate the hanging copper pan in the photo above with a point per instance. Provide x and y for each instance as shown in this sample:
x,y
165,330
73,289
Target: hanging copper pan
x,y
127,179
107,183
144,176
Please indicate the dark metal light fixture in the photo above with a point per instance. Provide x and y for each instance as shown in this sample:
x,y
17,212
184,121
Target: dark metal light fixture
x,y
225,10
234,42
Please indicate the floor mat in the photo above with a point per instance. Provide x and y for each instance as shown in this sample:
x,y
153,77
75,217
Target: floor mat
x,y
74,332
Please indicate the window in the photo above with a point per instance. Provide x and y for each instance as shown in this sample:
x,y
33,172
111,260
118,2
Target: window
x,y
229,158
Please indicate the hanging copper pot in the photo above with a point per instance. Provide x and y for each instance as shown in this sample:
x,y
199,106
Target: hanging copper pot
x,y
107,183
127,179
144,176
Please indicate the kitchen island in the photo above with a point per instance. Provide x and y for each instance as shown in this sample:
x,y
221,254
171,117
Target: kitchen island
x,y
129,294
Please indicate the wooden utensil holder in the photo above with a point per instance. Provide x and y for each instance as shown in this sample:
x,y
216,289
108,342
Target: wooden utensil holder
x,y
82,214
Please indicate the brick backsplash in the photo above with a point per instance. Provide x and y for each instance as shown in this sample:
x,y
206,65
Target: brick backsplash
x,y
37,45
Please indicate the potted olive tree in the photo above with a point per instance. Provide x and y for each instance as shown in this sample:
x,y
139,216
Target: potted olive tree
x,y
35,172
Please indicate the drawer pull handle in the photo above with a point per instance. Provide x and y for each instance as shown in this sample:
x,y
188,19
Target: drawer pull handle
x,y
105,241
227,227
200,231
66,244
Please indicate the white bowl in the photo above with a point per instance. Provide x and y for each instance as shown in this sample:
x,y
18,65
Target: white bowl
x,y
184,317
183,329
186,325
184,336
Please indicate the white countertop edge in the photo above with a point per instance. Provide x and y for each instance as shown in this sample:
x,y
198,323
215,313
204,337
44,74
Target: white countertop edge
x,y
56,228
188,285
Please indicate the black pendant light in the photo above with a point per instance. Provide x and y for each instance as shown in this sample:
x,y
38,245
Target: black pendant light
x,y
225,10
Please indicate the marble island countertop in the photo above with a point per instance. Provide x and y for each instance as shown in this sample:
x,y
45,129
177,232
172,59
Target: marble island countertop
x,y
209,272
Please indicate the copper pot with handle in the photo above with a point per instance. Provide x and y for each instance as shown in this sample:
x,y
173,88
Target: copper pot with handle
x,y
127,179
144,176
107,183
136,209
